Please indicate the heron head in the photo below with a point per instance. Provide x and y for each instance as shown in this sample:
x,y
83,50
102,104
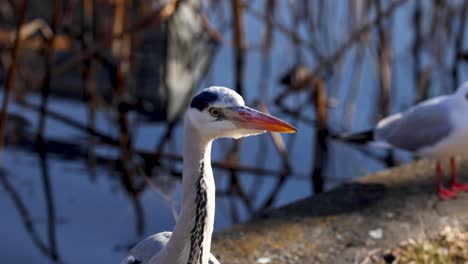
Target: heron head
x,y
219,112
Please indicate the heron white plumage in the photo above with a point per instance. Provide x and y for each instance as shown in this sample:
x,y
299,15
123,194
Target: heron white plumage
x,y
436,128
216,112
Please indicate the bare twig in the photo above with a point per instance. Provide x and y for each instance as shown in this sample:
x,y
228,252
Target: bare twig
x,y
285,30
356,36
239,45
88,74
42,151
154,18
353,92
422,87
121,48
213,33
321,150
34,42
103,138
11,71
25,215
283,151
384,66
459,39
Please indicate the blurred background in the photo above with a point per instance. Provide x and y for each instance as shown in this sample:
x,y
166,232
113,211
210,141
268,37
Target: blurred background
x,y
93,92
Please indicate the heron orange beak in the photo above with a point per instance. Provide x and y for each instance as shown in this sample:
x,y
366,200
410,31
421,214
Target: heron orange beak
x,y
250,118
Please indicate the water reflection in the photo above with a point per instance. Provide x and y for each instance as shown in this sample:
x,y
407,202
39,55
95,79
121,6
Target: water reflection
x,y
48,193
60,197
48,249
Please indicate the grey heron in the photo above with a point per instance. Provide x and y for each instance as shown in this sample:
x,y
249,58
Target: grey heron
x,y
436,128
216,112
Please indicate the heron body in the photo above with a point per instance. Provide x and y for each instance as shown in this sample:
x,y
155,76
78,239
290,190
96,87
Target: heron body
x,y
216,112
436,128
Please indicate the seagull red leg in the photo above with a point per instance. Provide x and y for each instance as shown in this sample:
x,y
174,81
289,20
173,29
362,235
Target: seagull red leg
x,y
444,193
456,186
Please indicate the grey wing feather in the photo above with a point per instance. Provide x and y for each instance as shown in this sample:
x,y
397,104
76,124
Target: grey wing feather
x,y
212,260
144,250
421,126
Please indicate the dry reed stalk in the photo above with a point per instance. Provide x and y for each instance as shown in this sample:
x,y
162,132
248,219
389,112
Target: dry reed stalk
x,y
11,71
321,134
154,18
48,57
384,58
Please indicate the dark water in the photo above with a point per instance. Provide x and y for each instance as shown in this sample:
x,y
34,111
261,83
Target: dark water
x,y
95,220
85,215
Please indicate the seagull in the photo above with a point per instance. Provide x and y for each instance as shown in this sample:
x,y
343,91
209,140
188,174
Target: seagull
x,y
436,128
216,112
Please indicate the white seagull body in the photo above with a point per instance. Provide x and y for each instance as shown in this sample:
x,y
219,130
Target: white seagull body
x,y
215,112
436,128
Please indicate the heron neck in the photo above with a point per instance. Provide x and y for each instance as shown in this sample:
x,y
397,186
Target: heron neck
x,y
191,238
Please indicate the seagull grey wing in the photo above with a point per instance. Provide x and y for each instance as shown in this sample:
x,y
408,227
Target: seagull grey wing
x,y
421,126
142,252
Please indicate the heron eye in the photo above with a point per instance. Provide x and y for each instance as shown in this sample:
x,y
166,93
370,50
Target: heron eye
x,y
214,112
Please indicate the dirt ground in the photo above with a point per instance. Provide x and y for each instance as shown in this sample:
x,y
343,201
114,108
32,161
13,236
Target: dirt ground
x,y
350,223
